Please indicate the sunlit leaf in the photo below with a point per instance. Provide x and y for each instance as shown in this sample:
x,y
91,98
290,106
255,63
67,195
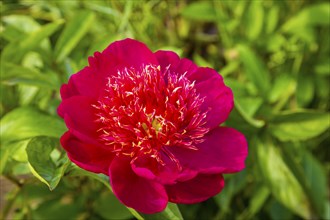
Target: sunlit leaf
x,y
317,14
27,122
14,74
280,180
272,19
255,69
254,20
200,11
247,108
42,166
16,49
72,34
299,125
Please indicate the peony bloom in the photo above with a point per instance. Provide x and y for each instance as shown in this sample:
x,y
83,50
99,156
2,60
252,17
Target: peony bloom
x,y
150,121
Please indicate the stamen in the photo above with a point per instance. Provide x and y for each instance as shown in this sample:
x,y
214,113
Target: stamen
x,y
145,112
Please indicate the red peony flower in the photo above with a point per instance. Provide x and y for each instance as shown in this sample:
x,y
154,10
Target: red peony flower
x,y
150,122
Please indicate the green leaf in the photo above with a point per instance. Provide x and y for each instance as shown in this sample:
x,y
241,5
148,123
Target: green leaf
x,y
272,19
108,206
305,89
12,74
280,180
255,18
42,166
258,200
66,207
259,197
4,155
247,107
16,49
283,87
234,184
76,171
72,34
255,69
200,11
171,212
317,14
27,122
316,181
299,125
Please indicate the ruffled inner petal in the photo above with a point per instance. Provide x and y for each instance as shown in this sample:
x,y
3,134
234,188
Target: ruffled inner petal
x,y
139,193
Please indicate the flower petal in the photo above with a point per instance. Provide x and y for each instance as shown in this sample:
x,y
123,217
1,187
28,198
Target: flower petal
x,y
218,97
139,193
79,116
219,100
92,158
119,55
195,190
167,173
126,54
169,60
86,82
223,151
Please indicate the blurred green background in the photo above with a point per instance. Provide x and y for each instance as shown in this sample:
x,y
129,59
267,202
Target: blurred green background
x,y
275,55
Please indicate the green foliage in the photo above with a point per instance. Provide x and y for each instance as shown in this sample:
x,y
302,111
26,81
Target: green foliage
x,y
273,54
38,152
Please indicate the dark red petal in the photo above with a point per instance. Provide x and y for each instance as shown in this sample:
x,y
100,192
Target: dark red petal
x,y
86,82
92,158
219,100
139,193
199,189
126,54
223,151
117,56
170,61
148,167
80,118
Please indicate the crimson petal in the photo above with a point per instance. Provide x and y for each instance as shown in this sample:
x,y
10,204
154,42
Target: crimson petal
x,y
219,100
119,55
223,151
143,195
170,61
79,116
126,53
198,189
89,157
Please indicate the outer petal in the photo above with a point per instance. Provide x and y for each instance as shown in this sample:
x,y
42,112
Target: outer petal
x,y
219,100
223,151
86,156
141,194
126,54
86,82
79,117
118,55
195,190
170,61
